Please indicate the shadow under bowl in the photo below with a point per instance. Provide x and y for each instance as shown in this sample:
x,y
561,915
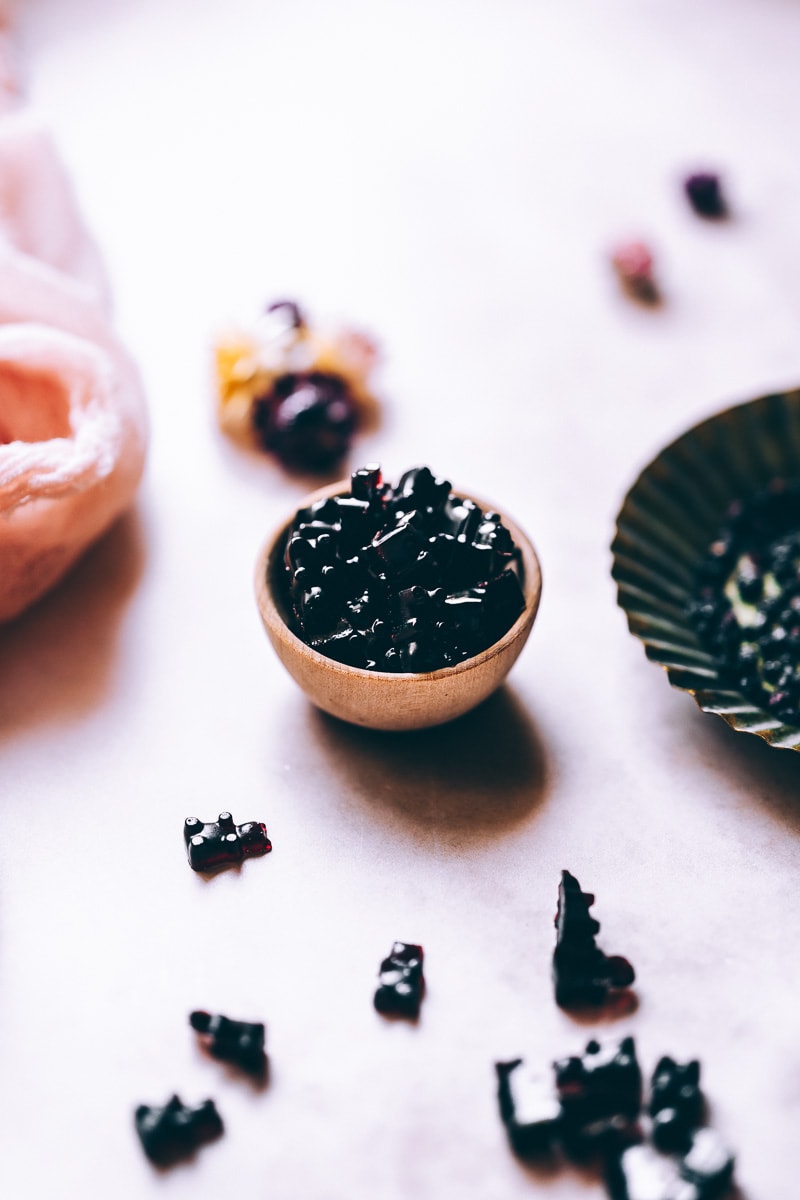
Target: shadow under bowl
x,y
669,518
381,699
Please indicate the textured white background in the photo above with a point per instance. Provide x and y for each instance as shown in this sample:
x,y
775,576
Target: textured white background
x,y
450,174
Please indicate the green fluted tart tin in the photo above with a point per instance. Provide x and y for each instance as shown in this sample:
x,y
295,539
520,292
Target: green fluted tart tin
x,y
706,558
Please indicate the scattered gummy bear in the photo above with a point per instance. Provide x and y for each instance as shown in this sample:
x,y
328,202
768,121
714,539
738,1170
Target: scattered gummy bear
x,y
175,1130
590,1108
704,1172
587,1102
582,973
222,843
676,1103
704,193
297,391
633,264
600,1093
401,983
237,1042
307,420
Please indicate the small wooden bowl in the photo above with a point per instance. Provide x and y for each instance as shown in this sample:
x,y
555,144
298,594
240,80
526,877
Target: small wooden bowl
x,y
382,699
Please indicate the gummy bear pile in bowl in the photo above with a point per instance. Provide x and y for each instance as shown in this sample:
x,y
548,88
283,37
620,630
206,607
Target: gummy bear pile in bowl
x,y
403,578
369,581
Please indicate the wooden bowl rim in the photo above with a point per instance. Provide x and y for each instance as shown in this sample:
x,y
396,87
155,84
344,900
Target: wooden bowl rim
x,y
274,619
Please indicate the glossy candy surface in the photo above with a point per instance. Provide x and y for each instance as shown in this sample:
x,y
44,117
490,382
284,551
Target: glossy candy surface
x,y
222,843
590,1107
746,604
582,973
307,420
708,1164
297,390
641,1173
237,1042
529,1107
409,578
175,1130
606,1079
600,1093
676,1103
680,1161
586,1103
400,981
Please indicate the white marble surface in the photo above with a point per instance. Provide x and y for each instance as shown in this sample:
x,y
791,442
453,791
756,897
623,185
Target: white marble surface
x,y
450,175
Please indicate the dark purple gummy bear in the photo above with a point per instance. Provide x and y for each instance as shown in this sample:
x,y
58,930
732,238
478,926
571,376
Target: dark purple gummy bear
x,y
582,973
175,1130
307,421
367,484
704,192
237,1042
400,981
222,843
676,1103
601,1095
419,488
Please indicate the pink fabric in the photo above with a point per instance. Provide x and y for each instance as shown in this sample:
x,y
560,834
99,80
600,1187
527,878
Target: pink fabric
x,y
39,219
73,425
72,444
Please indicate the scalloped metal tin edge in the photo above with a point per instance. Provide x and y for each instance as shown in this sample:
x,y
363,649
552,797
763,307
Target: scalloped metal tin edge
x,y
668,518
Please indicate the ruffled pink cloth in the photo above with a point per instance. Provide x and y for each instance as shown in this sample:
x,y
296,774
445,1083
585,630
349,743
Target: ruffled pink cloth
x,y
73,426
39,218
72,444
50,269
